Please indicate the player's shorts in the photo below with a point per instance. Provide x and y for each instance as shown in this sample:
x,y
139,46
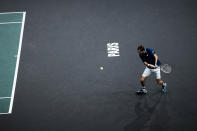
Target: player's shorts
x,y
147,72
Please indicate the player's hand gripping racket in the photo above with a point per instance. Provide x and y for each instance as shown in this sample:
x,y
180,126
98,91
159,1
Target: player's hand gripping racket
x,y
166,68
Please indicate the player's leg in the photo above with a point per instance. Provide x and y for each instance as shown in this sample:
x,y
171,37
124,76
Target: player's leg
x,y
160,82
163,84
158,79
142,81
145,74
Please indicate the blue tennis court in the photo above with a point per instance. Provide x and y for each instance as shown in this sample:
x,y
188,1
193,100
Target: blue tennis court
x,y
11,33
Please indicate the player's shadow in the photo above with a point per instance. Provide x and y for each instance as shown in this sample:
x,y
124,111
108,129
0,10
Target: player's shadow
x,y
152,113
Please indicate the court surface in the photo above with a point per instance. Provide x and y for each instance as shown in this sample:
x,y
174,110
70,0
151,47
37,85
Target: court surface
x,y
11,28
60,86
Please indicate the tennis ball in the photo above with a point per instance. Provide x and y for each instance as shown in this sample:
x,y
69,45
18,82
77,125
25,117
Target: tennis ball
x,y
101,68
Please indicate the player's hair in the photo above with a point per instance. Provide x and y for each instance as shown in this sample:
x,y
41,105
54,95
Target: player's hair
x,y
141,48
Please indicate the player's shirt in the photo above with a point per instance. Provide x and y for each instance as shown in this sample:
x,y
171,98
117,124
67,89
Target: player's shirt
x,y
149,57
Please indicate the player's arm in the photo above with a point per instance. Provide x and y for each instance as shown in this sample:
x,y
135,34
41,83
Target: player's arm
x,y
156,58
150,51
149,65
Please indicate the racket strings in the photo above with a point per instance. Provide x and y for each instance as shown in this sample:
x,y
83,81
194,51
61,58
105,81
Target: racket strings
x,y
166,68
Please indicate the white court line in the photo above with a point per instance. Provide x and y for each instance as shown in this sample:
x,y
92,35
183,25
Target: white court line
x,y
17,64
1,98
11,22
4,113
5,98
11,12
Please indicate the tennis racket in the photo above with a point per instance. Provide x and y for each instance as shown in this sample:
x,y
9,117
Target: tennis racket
x,y
166,68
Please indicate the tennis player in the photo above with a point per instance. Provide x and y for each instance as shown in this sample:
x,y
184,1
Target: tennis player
x,y
152,63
